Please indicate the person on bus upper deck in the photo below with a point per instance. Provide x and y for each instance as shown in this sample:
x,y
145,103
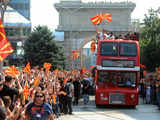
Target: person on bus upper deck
x,y
121,36
101,35
111,36
135,36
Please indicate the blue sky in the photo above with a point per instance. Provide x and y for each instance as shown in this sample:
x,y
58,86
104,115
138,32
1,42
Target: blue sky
x,y
43,12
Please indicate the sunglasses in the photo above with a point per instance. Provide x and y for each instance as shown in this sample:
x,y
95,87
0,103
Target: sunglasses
x,y
39,95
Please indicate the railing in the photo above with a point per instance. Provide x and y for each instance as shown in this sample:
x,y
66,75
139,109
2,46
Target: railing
x,y
102,4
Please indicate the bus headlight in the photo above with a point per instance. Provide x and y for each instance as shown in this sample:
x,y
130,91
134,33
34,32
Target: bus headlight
x,y
132,96
133,85
101,94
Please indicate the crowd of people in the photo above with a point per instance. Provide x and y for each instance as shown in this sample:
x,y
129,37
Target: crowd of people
x,y
149,88
41,95
104,34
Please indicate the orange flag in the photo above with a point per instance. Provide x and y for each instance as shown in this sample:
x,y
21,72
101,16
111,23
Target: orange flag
x,y
65,81
27,69
83,70
75,54
12,71
47,66
63,93
99,18
54,99
56,71
93,46
36,81
5,46
25,90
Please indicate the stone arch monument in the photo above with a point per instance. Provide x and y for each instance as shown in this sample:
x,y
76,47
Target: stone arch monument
x,y
78,30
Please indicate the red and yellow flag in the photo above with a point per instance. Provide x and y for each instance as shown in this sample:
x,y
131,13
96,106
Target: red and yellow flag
x,y
107,16
36,81
100,17
75,54
93,46
27,69
5,46
96,20
25,90
12,71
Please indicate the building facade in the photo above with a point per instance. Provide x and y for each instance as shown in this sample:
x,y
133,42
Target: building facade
x,y
22,7
17,27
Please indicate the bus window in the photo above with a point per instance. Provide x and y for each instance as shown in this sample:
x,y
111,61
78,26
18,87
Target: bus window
x,y
127,79
128,49
105,76
113,77
108,49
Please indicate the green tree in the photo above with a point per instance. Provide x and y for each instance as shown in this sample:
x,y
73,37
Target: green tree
x,y
150,40
40,48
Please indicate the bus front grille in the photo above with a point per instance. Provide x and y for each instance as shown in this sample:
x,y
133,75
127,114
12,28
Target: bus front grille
x,y
116,98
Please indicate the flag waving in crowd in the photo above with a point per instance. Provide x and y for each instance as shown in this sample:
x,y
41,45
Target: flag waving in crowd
x,y
27,69
75,54
5,46
12,71
96,20
47,66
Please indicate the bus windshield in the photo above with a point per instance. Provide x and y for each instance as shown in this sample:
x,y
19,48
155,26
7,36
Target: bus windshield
x,y
126,79
128,49
120,79
109,49
105,76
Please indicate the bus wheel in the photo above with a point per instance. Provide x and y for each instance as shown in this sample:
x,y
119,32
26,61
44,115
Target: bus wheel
x,y
98,106
133,106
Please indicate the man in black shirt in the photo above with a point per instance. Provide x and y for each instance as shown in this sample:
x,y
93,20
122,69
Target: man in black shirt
x,y
77,88
5,90
85,90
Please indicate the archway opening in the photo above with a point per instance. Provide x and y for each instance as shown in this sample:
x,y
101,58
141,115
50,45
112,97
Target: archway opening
x,y
89,57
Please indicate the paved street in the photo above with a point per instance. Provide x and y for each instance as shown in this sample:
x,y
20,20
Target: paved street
x,y
90,112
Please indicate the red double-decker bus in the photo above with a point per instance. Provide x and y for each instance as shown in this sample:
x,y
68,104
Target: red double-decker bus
x,y
118,72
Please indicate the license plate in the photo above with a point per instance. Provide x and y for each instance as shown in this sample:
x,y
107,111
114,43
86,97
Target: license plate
x,y
116,102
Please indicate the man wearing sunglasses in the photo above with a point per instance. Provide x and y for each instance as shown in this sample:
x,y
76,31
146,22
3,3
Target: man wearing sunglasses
x,y
38,109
